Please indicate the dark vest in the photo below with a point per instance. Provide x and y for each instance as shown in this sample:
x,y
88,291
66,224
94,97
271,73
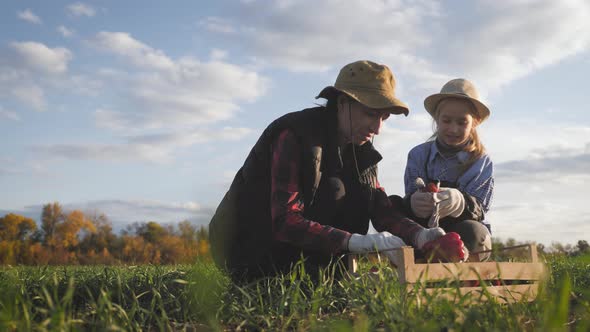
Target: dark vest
x,y
240,232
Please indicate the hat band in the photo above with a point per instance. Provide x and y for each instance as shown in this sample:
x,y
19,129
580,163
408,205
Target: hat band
x,y
362,88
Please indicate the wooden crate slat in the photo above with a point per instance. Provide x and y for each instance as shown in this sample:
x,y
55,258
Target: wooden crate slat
x,y
502,294
474,271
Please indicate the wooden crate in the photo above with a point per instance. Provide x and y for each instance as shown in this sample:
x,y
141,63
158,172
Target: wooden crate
x,y
505,281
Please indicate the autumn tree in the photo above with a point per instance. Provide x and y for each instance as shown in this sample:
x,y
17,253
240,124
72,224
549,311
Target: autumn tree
x,y
152,231
51,216
98,246
103,236
67,232
15,232
135,250
14,227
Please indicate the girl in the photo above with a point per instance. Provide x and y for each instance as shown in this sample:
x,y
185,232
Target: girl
x,y
455,160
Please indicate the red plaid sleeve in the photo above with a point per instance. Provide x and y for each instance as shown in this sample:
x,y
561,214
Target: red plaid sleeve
x,y
287,204
389,216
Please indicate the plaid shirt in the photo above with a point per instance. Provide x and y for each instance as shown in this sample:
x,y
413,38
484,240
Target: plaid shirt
x,y
287,206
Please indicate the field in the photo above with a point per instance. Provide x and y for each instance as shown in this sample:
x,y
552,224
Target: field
x,y
199,298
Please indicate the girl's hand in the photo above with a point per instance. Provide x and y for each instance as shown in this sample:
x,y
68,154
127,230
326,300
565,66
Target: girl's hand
x,y
422,204
451,202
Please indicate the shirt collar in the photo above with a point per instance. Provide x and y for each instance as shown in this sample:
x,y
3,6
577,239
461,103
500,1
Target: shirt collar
x,y
462,156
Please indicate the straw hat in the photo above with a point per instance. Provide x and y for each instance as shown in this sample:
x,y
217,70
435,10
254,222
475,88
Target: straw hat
x,y
369,83
458,88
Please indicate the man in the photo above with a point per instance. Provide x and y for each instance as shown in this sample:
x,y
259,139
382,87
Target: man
x,y
309,186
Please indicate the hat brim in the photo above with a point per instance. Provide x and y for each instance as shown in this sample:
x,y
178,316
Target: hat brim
x,y
372,99
432,101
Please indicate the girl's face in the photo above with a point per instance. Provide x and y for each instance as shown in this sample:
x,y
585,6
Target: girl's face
x,y
362,124
455,121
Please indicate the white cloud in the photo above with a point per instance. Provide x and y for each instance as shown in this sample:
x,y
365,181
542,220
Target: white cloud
x,y
6,114
159,96
518,138
81,9
423,42
218,55
38,56
65,31
141,55
218,25
105,152
167,93
29,16
549,212
195,137
516,38
154,148
552,167
81,84
9,166
31,95
111,73
289,35
30,72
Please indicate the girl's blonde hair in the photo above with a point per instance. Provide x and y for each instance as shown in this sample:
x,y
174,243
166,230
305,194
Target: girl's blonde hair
x,y
474,146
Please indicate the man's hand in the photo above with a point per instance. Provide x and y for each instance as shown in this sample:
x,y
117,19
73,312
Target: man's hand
x,y
451,202
422,204
382,241
447,248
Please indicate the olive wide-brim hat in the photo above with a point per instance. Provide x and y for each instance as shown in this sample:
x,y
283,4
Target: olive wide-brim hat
x,y
369,83
458,88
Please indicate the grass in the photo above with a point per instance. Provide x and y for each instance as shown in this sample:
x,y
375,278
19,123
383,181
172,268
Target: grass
x,y
199,297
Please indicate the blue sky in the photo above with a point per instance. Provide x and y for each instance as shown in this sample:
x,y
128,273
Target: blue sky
x,y
144,110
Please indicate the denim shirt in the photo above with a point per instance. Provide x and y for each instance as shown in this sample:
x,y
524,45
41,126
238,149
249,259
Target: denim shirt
x,y
427,162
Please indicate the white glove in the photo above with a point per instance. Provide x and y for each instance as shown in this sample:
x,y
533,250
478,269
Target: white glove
x,y
359,244
426,235
422,204
451,202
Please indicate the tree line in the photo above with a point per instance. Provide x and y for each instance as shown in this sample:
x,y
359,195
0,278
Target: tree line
x,y
510,249
76,237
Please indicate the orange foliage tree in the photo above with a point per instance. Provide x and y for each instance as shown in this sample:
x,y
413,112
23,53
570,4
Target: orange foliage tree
x,y
15,233
76,237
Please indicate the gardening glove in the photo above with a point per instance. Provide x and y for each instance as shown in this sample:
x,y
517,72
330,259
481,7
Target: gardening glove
x,y
422,204
435,217
450,202
447,248
381,242
426,235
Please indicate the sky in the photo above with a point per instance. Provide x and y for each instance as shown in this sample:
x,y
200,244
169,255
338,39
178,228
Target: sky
x,y
145,110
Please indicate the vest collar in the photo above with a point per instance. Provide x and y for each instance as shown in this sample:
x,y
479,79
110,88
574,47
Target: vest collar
x,y
366,155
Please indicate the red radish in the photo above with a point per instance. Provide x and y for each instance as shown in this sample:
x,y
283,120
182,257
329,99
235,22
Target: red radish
x,y
432,187
447,248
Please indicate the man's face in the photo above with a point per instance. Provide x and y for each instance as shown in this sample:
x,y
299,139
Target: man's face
x,y
361,124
